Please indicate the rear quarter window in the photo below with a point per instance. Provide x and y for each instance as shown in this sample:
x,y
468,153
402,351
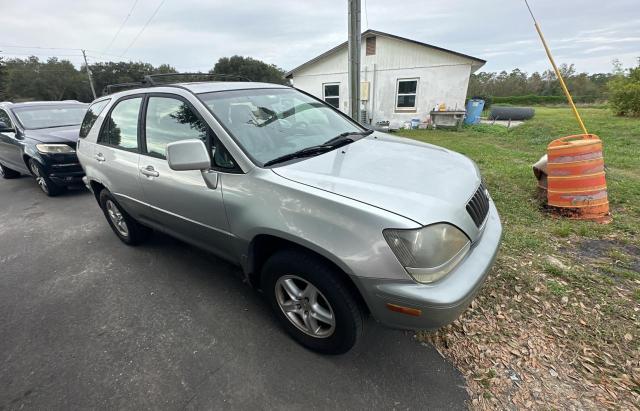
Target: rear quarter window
x,y
92,115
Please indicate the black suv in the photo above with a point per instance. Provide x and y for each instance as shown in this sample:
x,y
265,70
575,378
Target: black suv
x,y
39,138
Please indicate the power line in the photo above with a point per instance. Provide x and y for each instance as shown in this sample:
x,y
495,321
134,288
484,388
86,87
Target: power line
x,y
143,28
40,54
55,48
37,47
121,26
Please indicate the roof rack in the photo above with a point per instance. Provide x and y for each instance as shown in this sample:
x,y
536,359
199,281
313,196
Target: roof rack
x,y
109,89
151,78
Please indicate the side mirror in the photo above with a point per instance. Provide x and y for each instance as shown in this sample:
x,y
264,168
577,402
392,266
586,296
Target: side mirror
x,y
4,128
188,155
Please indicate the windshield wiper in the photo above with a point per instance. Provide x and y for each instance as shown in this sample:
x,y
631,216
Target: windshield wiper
x,y
342,136
305,152
337,141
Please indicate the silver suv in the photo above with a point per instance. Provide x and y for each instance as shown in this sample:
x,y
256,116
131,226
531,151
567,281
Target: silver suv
x,y
330,220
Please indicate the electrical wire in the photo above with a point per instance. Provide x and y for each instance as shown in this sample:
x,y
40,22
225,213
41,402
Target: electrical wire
x,y
143,28
40,54
121,26
37,47
56,48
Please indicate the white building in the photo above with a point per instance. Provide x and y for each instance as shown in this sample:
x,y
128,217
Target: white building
x,y
401,78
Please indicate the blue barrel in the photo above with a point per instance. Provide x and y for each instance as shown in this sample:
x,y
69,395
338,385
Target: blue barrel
x,y
474,110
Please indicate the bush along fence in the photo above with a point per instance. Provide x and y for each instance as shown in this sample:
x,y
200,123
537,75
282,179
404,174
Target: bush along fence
x,y
529,100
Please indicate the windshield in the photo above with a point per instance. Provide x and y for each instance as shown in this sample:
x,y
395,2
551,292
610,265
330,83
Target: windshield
x,y
270,123
35,117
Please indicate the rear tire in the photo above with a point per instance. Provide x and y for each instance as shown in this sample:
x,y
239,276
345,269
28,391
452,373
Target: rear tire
x,y
128,230
8,173
311,302
42,179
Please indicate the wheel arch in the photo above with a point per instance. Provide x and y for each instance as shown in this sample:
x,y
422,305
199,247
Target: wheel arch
x,y
96,189
26,158
263,246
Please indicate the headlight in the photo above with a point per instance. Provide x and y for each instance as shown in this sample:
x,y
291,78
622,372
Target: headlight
x,y
428,253
54,148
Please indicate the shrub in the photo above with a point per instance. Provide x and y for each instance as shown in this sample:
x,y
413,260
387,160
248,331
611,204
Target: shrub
x,y
533,99
625,93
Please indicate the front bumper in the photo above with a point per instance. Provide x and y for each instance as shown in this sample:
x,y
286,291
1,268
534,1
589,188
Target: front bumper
x,y
63,169
444,301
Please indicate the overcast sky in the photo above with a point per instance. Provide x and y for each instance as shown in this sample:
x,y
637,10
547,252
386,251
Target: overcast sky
x,y
191,35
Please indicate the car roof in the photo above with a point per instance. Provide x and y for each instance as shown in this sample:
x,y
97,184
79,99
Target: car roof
x,y
43,103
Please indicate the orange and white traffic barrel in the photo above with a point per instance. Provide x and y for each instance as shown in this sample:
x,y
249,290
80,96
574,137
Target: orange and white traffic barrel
x,y
576,177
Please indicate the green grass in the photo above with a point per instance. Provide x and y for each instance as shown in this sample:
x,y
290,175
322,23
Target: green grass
x,y
556,288
600,261
505,158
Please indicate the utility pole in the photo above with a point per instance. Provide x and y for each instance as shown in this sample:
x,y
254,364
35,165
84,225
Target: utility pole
x,y
354,58
86,65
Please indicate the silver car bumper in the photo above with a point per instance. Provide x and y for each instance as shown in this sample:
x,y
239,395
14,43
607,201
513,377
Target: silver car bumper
x,y
440,303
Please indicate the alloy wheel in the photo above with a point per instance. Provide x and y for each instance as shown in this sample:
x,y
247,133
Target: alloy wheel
x,y
305,306
117,218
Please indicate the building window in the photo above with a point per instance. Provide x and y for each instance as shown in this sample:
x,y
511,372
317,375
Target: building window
x,y
371,46
406,94
332,94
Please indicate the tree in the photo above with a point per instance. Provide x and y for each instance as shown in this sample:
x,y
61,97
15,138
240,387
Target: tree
x,y
120,72
3,79
625,92
253,69
32,79
539,87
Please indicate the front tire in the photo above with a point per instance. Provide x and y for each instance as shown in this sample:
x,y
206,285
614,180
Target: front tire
x,y
42,179
8,173
128,230
312,302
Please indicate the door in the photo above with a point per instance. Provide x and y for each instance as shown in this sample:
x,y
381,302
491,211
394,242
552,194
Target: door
x,y
180,202
10,146
116,154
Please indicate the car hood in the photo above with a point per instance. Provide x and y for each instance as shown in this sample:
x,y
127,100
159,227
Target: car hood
x,y
419,181
55,134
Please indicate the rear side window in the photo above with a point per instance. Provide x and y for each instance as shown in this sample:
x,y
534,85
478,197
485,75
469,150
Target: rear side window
x,y
121,127
90,117
168,120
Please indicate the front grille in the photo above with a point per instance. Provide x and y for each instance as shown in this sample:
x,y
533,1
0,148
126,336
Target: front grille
x,y
478,206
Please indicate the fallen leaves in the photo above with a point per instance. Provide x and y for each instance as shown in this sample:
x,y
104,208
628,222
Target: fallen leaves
x,y
522,346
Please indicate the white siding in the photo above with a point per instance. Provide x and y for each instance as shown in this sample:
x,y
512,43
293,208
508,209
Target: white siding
x,y
443,77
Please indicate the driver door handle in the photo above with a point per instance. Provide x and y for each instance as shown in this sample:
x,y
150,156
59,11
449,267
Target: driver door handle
x,y
99,157
149,171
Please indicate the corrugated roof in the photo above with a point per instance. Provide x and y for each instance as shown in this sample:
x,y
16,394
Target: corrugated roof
x,y
380,33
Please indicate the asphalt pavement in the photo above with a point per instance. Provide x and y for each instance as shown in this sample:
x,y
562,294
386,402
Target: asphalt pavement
x,y
87,322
